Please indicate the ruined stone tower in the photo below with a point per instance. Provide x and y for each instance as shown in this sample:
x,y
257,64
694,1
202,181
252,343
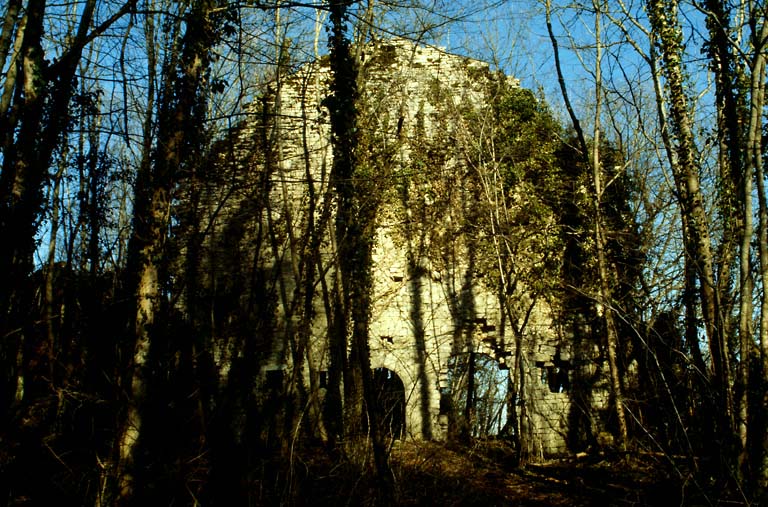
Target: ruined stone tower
x,y
436,302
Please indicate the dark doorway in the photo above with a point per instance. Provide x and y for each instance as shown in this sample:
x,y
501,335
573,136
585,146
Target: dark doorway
x,y
390,394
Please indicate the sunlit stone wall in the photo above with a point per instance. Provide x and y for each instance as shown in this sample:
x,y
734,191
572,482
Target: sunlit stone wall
x,y
429,301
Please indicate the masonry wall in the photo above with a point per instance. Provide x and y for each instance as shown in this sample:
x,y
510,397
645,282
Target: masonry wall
x,y
430,302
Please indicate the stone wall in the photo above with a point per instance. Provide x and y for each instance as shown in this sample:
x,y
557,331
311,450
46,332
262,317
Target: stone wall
x,y
431,302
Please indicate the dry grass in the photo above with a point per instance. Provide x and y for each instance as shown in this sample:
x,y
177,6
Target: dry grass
x,y
486,474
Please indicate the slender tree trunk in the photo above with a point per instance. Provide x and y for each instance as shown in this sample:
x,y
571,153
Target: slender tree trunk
x,y
735,202
730,154
745,294
663,17
469,407
10,22
611,334
355,221
21,195
755,163
180,121
8,121
604,274
689,270
129,434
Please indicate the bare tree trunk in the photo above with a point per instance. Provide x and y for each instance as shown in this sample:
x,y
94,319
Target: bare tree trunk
x,y
663,17
8,121
21,193
730,155
745,292
128,436
755,164
611,335
179,122
690,273
604,275
10,22
735,203
355,222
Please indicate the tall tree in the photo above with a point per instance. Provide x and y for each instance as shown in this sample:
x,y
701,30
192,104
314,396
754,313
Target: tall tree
x,y
755,139
663,16
181,111
354,234
592,158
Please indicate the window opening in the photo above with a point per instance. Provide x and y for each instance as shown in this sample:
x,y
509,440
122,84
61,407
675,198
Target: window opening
x,y
274,380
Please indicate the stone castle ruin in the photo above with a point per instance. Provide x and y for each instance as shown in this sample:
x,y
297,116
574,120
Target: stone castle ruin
x,y
436,304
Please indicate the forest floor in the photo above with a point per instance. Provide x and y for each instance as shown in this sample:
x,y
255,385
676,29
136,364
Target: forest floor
x,y
487,474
